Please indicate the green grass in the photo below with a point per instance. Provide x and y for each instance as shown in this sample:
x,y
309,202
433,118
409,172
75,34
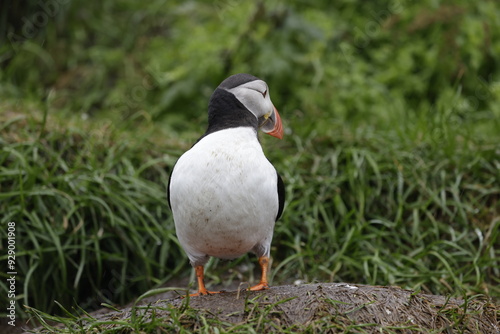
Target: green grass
x,y
390,157
88,213
362,207
415,216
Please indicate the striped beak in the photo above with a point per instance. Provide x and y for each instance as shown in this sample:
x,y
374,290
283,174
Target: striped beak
x,y
272,124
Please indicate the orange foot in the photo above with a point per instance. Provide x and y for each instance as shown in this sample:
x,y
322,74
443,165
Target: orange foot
x,y
258,287
202,290
263,285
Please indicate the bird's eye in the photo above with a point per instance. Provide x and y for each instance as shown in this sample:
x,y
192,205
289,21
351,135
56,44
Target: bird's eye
x,y
265,93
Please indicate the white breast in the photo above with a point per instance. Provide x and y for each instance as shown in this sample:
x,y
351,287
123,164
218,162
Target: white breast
x,y
224,198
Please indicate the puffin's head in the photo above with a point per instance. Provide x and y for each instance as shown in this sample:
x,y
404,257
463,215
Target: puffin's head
x,y
253,94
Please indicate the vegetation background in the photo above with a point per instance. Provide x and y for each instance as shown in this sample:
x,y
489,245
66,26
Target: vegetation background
x,y
391,157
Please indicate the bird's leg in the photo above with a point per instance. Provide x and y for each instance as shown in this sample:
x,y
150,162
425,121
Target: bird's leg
x,y
202,290
264,265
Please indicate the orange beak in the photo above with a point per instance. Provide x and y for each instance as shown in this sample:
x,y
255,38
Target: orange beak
x,y
277,131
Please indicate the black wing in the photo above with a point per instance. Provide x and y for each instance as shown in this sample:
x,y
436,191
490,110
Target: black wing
x,y
281,196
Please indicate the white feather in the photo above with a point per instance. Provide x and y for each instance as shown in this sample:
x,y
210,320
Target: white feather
x,y
224,199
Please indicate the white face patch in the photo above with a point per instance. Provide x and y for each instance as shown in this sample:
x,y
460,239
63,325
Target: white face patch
x,y
254,95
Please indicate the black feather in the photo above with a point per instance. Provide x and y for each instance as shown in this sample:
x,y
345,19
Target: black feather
x,y
281,196
168,187
237,80
226,111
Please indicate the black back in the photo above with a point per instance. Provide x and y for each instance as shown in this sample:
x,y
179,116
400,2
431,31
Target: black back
x,y
226,111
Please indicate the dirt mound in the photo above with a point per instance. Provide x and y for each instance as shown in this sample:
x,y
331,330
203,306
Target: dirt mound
x,y
348,305
314,308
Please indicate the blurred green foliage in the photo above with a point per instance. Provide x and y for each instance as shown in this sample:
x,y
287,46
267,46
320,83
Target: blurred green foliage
x,y
348,59
391,158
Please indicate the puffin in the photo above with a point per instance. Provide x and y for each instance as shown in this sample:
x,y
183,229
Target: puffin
x,y
224,194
